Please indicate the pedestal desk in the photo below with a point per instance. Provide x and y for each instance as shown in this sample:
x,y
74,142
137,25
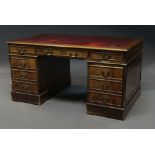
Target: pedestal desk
x,y
40,68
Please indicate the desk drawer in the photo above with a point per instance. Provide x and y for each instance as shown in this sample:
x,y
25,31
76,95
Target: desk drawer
x,y
60,52
26,87
104,99
23,63
24,75
21,49
104,85
106,56
115,73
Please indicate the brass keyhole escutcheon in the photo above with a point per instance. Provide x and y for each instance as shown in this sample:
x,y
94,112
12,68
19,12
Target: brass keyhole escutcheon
x,y
25,87
21,50
106,57
76,54
46,52
23,75
22,64
105,86
104,99
106,73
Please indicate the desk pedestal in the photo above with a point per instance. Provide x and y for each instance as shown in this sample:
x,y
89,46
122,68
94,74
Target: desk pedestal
x,y
37,79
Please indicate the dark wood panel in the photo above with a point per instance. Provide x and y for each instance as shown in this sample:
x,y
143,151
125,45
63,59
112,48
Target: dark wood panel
x,y
54,73
133,77
105,111
36,99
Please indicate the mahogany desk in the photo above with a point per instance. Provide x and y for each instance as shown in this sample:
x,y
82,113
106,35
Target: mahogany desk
x,y
40,68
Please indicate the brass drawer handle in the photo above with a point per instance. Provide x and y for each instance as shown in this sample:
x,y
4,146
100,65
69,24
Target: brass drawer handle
x,y
74,56
46,51
106,57
23,75
64,50
25,87
22,87
63,53
104,99
22,64
106,73
21,50
105,87
99,98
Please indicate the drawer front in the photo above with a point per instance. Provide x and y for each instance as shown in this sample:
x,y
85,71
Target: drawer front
x,y
105,85
106,72
104,99
44,51
22,50
106,56
24,75
63,52
21,63
25,87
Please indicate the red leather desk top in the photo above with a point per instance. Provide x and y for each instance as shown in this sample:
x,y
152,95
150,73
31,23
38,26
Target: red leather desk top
x,y
78,41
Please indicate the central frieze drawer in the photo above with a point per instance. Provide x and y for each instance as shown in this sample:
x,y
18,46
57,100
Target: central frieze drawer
x,y
24,75
115,73
23,63
63,52
104,99
26,87
21,49
104,85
